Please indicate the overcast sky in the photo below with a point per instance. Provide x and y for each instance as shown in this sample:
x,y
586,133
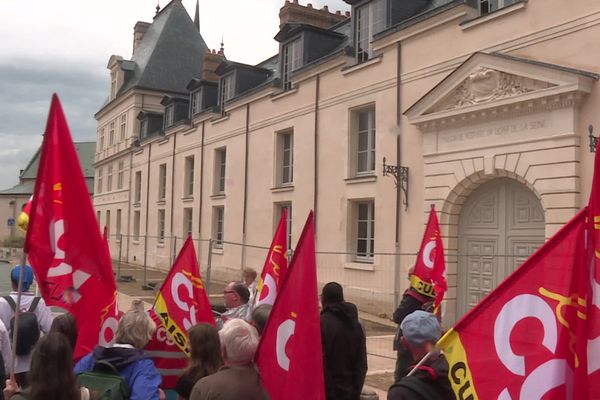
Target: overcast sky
x,y
63,46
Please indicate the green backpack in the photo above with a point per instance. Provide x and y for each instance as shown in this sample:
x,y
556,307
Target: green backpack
x,y
104,382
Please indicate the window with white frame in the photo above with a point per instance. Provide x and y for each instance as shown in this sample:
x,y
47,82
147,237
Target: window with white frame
x,y
123,127
196,102
99,187
227,89
120,175
98,216
489,6
109,176
362,140
365,230
188,214
118,224
371,19
292,56
279,212
136,225
217,231
285,158
169,115
162,182
188,187
137,196
220,169
111,137
107,224
113,84
144,128
101,145
160,228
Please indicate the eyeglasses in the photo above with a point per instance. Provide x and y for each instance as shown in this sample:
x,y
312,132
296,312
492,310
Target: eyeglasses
x,y
228,291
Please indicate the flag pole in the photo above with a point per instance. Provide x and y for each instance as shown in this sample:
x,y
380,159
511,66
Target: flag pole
x,y
15,329
423,361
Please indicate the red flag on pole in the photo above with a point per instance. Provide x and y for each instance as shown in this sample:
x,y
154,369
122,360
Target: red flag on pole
x,y
429,275
182,301
275,268
289,356
66,251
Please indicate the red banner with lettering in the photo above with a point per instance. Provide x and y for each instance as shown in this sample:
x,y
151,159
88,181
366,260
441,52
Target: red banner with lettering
x,y
182,301
275,268
70,260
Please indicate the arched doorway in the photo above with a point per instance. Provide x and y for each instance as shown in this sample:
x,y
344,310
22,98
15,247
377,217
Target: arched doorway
x,y
500,225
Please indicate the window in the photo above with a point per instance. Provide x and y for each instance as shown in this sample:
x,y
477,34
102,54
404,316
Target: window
x,y
365,230
136,225
123,126
143,128
489,6
187,221
99,188
196,102
120,175
101,139
109,178
227,90
162,182
291,60
169,115
285,158
188,190
161,226
218,214
111,137
363,141
370,20
118,232
279,211
137,198
98,216
107,224
113,85
220,162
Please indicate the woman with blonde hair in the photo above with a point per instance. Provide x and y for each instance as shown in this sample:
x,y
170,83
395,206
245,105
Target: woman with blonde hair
x,y
205,359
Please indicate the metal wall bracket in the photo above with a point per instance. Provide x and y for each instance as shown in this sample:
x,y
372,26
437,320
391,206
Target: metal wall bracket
x,y
400,175
593,139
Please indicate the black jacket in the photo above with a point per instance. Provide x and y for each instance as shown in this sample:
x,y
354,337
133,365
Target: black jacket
x,y
344,352
429,382
411,301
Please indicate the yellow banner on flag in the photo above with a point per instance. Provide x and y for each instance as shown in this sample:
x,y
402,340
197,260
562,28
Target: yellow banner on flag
x,y
459,371
178,335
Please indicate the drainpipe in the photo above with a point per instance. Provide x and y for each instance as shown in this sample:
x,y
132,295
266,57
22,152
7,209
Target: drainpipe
x,y
398,162
129,206
244,218
201,195
147,208
316,155
173,193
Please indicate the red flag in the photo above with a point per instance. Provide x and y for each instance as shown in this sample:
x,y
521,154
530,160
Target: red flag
x,y
289,356
429,275
182,301
275,268
70,260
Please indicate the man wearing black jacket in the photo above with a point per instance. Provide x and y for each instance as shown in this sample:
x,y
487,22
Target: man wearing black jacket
x,y
344,346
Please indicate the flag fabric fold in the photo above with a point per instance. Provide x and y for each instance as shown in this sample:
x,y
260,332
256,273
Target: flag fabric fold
x,y
70,260
275,268
289,356
182,301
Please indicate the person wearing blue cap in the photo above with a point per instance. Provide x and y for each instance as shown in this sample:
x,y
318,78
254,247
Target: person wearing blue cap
x,y
29,303
420,332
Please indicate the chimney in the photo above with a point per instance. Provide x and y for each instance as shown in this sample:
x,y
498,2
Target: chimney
x,y
210,61
294,12
139,30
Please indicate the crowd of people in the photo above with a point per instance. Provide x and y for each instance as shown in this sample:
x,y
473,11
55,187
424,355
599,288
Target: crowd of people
x,y
221,358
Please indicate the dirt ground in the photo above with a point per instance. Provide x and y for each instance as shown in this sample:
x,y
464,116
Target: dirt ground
x,y
380,381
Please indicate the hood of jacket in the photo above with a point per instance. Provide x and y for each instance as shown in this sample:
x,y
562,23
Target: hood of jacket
x,y
119,357
345,311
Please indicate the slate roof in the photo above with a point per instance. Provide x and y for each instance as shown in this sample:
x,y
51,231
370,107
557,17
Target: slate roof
x,y
169,55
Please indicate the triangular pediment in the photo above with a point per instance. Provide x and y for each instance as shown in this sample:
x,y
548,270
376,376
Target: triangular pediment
x,y
492,83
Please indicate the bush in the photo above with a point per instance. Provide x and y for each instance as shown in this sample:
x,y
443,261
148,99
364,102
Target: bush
x,y
13,242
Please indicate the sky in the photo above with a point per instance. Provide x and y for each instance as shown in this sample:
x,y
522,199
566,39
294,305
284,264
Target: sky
x,y
63,46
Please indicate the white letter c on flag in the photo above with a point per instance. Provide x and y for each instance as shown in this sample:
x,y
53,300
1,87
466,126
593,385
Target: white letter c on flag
x,y
284,333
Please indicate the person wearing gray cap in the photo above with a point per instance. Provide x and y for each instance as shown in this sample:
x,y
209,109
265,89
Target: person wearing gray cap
x,y
420,331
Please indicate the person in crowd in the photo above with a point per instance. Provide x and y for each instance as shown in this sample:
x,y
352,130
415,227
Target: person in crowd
x,y
67,325
29,301
411,301
238,378
420,332
5,352
250,282
236,296
344,345
51,375
205,359
259,317
134,330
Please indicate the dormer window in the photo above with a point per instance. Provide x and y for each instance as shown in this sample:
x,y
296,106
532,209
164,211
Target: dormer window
x,y
169,115
196,102
292,57
113,84
227,90
143,128
489,6
370,20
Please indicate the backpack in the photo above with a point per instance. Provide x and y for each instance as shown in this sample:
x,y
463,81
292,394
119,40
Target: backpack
x,y
28,329
104,382
419,387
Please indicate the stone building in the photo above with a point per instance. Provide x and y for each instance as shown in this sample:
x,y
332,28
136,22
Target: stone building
x,y
483,104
